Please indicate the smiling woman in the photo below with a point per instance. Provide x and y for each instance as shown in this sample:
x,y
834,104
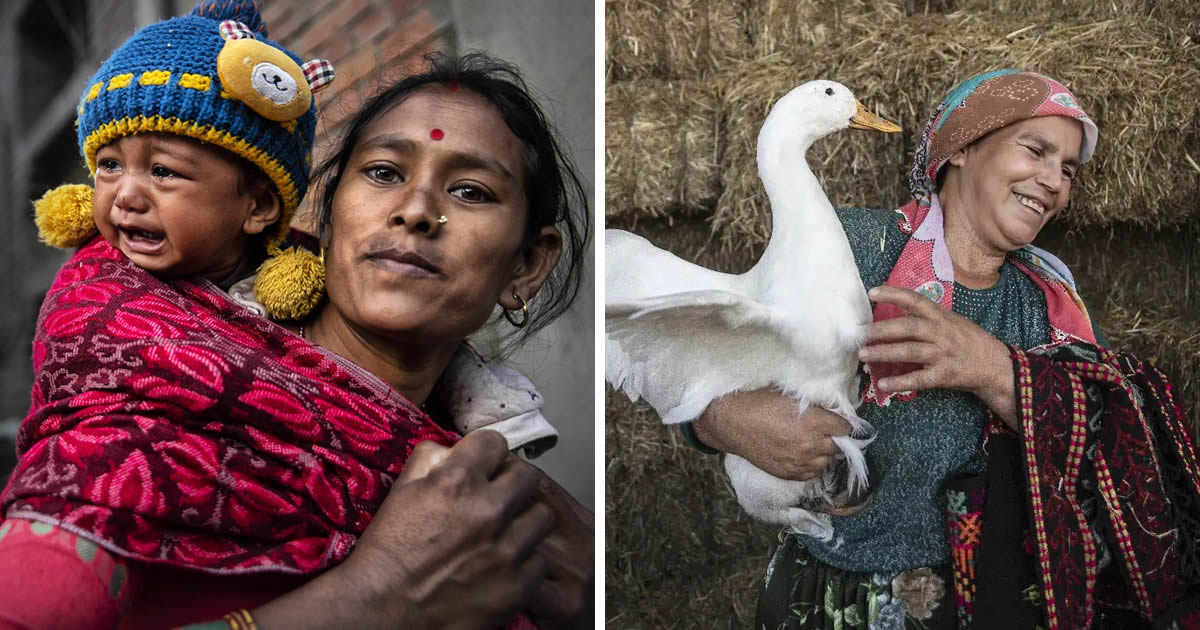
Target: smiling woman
x,y
995,504
1031,163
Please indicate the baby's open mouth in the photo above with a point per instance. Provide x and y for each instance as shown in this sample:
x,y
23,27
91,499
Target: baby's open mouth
x,y
137,241
135,235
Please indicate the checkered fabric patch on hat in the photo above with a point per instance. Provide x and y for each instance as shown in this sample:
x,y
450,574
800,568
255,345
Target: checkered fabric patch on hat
x,y
233,29
318,73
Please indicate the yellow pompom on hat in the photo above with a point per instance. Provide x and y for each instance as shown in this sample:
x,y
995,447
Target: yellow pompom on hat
x,y
212,75
290,284
64,216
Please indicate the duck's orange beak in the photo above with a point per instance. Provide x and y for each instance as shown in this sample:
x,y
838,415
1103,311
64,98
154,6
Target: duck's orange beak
x,y
864,119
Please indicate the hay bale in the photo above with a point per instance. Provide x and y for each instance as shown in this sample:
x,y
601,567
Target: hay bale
x,y
619,164
660,148
803,28
1172,344
1130,266
1181,12
1136,76
690,238
673,39
612,39
1142,287
679,553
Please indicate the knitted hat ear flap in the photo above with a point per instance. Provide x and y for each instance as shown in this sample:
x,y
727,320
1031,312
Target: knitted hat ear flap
x,y
64,216
290,284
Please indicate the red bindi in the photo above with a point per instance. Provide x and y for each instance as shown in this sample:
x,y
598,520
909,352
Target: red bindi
x,y
452,86
437,134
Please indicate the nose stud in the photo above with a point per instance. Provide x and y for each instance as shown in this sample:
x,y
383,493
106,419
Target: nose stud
x,y
423,225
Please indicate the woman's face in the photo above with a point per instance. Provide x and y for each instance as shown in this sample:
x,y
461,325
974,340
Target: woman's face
x,y
392,266
1012,181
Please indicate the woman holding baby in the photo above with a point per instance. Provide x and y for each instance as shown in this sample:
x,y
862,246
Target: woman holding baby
x,y
186,460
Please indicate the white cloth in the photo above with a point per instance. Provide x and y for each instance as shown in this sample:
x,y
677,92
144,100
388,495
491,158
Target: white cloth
x,y
481,395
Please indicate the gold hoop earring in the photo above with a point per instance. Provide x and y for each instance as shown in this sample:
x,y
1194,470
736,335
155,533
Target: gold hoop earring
x,y
524,309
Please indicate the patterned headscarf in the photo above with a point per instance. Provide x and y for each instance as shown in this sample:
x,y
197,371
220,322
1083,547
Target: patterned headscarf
x,y
973,109
983,104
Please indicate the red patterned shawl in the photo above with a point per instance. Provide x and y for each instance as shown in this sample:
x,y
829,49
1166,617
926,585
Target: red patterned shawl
x,y
1108,459
170,424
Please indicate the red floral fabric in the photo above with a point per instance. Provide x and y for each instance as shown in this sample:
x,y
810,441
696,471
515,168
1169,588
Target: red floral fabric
x,y
170,424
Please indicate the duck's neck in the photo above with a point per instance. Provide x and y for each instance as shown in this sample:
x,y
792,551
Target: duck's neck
x,y
801,214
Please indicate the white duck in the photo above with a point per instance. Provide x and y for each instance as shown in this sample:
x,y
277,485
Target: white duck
x,y
680,335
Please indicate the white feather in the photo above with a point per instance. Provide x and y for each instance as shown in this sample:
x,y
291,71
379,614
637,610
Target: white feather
x,y
679,335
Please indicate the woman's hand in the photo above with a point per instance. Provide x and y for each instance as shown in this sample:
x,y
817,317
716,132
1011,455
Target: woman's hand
x,y
567,592
456,548
952,352
764,428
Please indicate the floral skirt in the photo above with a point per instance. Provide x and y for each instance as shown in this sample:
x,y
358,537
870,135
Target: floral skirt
x,y
803,593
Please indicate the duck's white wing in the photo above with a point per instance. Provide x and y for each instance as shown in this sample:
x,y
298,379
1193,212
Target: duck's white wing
x,y
681,351
635,269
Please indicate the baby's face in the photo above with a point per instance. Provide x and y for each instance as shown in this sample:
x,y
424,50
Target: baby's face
x,y
173,205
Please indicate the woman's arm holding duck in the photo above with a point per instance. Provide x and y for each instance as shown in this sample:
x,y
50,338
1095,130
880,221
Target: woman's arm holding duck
x,y
763,427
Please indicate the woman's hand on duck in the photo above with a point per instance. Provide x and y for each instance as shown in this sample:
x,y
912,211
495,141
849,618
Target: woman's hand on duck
x,y
767,429
566,594
456,548
951,352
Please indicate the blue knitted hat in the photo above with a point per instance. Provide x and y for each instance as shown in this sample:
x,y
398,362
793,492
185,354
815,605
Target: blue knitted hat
x,y
214,76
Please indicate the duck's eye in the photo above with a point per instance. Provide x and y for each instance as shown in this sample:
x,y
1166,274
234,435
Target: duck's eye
x,y
829,91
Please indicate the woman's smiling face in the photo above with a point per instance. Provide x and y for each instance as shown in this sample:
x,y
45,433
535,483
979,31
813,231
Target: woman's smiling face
x,y
393,266
1015,179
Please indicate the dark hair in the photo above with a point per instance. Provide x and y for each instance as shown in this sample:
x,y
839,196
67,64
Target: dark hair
x,y
553,187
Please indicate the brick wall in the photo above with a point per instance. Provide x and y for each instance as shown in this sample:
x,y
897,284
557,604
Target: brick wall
x,y
369,42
